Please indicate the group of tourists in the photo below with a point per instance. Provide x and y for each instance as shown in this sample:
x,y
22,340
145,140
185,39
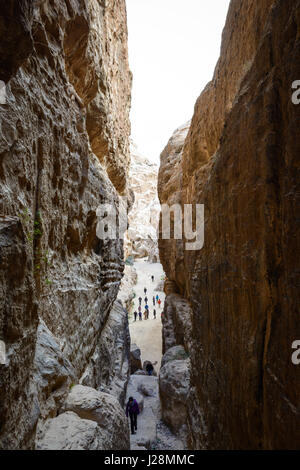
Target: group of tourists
x,y
156,301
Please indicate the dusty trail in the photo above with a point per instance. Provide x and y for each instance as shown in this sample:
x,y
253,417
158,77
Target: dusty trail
x,y
147,334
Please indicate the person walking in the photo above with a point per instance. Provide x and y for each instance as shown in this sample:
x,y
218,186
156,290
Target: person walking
x,y
145,315
159,302
146,300
132,410
157,298
135,315
152,277
148,312
145,290
140,308
140,300
153,301
140,315
146,307
149,368
154,314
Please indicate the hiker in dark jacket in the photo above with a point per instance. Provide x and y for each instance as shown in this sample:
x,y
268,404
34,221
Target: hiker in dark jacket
x,y
132,409
145,290
140,300
154,314
149,369
146,300
135,315
140,315
153,301
152,277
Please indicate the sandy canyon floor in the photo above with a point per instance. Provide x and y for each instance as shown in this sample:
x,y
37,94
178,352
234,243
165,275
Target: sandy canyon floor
x,y
147,334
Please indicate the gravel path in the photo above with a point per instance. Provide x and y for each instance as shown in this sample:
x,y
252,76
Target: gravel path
x,y
147,334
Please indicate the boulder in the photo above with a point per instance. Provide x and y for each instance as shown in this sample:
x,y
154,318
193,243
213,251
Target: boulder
x,y
69,432
135,358
101,408
140,372
174,383
173,354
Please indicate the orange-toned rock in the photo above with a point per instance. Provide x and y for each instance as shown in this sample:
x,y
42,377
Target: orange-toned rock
x,y
241,159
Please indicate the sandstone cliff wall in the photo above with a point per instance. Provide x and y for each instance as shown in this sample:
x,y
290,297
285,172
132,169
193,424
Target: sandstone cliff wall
x,y
241,159
141,237
64,149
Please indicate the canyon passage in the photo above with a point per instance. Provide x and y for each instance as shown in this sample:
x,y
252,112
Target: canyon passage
x,y
212,367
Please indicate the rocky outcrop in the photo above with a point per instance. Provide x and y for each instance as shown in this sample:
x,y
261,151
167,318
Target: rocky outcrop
x,y
64,149
177,321
174,384
109,367
90,420
141,237
169,191
240,159
127,290
135,359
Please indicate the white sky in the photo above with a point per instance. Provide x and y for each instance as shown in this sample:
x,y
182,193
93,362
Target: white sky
x,y
174,46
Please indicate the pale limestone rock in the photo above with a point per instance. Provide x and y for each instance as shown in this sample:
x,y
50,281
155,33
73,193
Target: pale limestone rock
x,y
174,384
127,290
102,408
174,353
141,237
69,432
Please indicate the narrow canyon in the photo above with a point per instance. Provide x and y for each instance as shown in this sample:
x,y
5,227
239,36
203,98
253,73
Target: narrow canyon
x,y
223,319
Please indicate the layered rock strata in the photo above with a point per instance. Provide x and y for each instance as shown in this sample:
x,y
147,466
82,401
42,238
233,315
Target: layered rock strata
x,y
64,149
141,237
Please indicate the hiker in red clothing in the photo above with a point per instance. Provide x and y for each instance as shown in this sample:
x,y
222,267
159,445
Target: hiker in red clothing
x,y
132,409
159,302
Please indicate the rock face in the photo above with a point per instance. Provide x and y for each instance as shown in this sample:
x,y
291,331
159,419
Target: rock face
x,y
169,191
174,384
90,420
141,241
240,159
64,149
135,359
109,367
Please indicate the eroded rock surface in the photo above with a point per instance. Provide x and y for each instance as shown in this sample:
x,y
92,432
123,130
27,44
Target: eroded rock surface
x,y
174,385
135,359
64,149
141,238
240,159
